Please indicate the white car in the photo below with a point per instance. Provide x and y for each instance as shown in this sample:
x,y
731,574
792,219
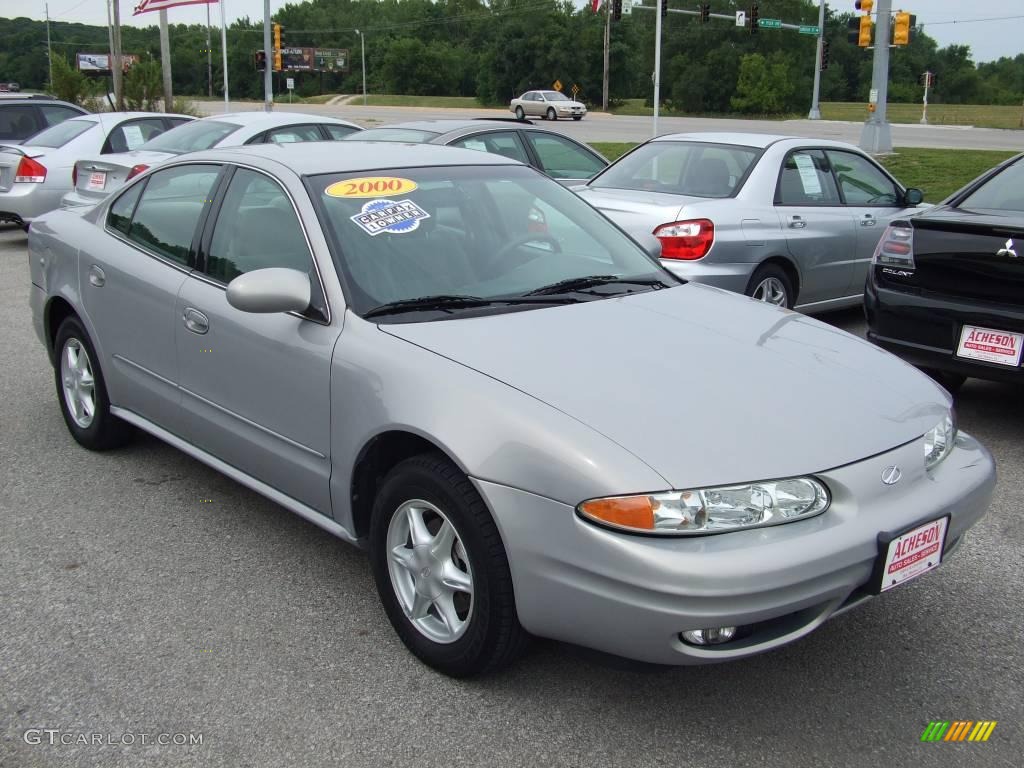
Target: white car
x,y
97,177
36,174
549,105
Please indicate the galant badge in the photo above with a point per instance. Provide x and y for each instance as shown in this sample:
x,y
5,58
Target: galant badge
x,y
891,475
1007,250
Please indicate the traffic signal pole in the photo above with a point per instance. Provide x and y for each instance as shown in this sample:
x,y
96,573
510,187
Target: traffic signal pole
x,y
876,135
268,67
815,113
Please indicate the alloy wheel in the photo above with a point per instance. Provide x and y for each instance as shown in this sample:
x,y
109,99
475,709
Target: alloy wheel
x,y
430,571
771,291
78,382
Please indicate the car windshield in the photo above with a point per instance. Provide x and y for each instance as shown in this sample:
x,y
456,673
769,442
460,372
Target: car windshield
x,y
486,233
1003,192
406,135
681,168
555,96
191,137
60,134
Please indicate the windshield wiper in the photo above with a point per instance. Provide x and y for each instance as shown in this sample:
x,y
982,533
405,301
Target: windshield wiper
x,y
447,303
590,281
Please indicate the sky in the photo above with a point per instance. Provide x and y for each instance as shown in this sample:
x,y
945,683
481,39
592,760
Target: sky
x,y
988,39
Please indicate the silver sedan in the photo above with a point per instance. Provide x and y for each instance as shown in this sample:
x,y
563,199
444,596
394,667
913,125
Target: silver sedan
x,y
789,221
549,105
458,364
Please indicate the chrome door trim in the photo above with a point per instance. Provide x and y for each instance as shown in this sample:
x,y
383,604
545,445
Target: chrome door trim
x,y
292,505
253,424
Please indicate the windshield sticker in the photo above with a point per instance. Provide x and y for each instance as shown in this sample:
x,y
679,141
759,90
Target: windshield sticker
x,y
133,137
371,186
397,218
808,176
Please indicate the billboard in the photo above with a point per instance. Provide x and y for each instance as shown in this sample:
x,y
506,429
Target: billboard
x,y
313,59
99,63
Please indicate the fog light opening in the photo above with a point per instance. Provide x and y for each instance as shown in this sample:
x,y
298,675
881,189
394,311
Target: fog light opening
x,y
710,636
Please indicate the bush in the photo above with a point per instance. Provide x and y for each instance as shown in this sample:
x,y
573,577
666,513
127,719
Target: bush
x,y
71,85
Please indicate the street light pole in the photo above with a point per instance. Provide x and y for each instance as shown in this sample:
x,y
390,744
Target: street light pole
x,y
49,48
876,136
362,46
815,113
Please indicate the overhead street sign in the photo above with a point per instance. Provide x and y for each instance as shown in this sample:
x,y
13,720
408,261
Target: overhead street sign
x,y
808,30
769,23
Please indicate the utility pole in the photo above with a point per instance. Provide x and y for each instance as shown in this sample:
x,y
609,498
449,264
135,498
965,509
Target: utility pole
x,y
815,113
607,44
49,48
657,66
268,68
165,60
362,47
116,70
876,137
209,55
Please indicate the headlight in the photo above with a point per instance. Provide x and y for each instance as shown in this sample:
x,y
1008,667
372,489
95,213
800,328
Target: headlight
x,y
938,442
711,510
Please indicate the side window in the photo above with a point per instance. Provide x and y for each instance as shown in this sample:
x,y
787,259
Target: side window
x,y
560,158
171,205
293,133
132,134
505,143
53,113
174,122
17,121
336,131
119,216
256,228
860,181
806,180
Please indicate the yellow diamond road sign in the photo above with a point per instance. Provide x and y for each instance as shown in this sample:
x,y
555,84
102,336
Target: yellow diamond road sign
x,y
575,89
557,85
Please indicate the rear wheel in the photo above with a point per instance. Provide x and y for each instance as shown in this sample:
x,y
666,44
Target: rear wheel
x,y
441,569
772,285
551,114
520,114
82,392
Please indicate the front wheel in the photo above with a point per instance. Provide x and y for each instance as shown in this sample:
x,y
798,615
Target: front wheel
x,y
551,114
441,569
772,285
520,114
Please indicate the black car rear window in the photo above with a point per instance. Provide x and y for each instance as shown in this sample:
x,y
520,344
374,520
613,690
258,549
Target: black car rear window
x,y
1003,192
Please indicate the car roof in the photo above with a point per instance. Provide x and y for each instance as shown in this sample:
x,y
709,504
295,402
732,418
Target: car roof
x,y
451,125
313,157
273,119
756,140
36,98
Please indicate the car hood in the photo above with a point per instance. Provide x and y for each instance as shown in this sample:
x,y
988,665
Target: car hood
x,y
706,387
638,212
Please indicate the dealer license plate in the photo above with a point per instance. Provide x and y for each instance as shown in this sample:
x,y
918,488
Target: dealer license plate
x,y
913,553
990,345
97,180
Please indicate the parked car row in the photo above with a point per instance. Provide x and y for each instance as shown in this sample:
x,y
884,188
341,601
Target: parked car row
x,y
455,361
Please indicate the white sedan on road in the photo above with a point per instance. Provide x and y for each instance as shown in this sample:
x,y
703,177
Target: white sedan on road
x,y
549,105
35,175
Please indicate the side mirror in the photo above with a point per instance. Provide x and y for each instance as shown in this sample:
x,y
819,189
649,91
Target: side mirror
x,y
913,196
270,290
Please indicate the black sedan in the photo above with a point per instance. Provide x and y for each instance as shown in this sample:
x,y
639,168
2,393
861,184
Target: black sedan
x,y
946,287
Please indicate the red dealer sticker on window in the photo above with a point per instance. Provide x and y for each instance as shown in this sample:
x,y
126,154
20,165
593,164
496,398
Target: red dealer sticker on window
x,y
990,345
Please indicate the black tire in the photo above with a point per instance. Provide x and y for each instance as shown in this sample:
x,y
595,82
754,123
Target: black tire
x,y
767,272
951,381
105,431
493,637
551,114
520,114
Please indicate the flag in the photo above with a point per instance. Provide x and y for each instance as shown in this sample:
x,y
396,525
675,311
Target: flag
x,y
594,5
159,5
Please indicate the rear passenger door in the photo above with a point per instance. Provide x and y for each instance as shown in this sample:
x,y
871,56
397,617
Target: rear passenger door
x,y
256,387
819,232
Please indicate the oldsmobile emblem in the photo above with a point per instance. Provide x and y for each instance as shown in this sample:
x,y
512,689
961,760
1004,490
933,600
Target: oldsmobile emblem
x,y
891,475
1007,250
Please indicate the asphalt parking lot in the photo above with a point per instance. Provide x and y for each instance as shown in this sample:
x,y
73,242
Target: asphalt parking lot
x,y
142,594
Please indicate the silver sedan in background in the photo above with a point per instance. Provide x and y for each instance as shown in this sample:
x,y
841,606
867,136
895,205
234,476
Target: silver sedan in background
x,y
550,105
790,221
35,175
450,358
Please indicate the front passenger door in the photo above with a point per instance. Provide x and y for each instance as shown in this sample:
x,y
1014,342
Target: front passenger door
x,y
256,387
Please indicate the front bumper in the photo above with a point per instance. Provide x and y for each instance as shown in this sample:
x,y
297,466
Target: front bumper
x,y
23,202
729,277
925,329
633,595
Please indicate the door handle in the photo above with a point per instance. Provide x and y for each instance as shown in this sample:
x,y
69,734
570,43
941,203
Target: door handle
x,y
867,220
795,222
195,321
96,276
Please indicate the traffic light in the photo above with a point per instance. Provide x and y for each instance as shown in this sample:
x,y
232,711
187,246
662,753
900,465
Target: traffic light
x,y
824,55
259,59
864,33
904,22
664,9
277,46
616,10
705,13
754,15
864,6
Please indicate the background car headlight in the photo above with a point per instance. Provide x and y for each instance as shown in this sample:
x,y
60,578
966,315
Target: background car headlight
x,y
938,442
711,510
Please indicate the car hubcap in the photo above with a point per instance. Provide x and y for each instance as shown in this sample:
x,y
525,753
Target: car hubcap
x,y
429,571
772,291
78,383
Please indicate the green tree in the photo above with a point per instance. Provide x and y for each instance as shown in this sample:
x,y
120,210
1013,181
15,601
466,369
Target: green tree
x,y
764,85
